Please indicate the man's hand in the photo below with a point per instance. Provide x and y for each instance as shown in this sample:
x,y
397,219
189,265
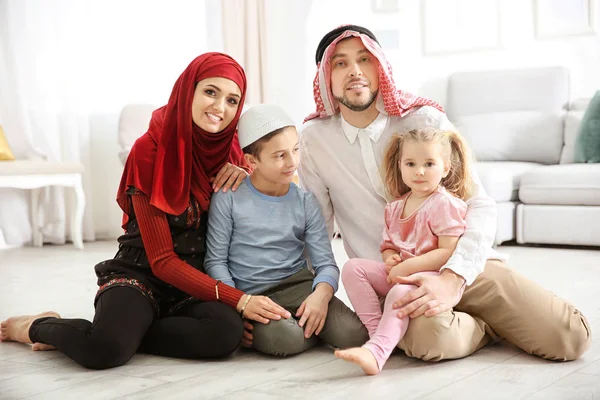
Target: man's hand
x,y
435,294
313,310
229,176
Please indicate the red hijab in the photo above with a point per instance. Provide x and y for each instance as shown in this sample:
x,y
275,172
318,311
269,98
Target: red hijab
x,y
176,158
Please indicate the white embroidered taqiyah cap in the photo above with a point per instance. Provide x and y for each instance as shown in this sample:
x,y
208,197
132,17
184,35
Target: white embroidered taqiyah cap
x,y
259,121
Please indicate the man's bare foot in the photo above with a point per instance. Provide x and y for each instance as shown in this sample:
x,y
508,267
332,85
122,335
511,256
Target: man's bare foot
x,y
360,356
16,329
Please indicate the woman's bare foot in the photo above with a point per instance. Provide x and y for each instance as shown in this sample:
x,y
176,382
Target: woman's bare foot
x,y
42,347
360,356
16,329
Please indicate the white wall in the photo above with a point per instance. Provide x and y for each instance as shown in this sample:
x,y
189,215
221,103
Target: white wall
x,y
287,45
427,75
141,47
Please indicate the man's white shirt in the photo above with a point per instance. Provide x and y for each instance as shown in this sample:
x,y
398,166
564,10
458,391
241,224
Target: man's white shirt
x,y
340,165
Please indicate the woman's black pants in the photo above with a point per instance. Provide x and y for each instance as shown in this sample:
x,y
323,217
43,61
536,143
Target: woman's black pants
x,y
125,323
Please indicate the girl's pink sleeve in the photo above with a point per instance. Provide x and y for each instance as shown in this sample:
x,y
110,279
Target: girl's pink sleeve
x,y
388,226
447,216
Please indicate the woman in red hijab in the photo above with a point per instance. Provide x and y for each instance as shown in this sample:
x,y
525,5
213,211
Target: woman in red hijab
x,y
153,296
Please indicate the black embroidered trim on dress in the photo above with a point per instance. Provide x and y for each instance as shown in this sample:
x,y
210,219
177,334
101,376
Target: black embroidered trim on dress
x,y
131,283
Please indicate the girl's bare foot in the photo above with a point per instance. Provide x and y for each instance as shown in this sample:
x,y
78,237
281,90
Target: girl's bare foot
x,y
360,356
16,329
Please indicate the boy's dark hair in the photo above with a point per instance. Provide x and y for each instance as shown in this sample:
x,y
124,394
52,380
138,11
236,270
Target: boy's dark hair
x,y
255,148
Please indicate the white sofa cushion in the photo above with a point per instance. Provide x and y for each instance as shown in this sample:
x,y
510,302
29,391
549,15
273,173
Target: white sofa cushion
x,y
565,184
511,115
572,121
482,92
532,136
545,224
501,180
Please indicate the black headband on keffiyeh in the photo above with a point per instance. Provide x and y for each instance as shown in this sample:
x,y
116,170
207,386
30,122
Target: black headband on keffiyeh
x,y
334,34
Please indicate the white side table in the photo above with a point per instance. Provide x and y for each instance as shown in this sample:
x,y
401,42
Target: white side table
x,y
37,174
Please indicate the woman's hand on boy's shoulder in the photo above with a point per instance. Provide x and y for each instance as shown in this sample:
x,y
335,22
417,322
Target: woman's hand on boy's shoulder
x,y
229,176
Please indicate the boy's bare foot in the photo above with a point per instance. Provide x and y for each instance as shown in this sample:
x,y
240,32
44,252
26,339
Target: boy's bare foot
x,y
360,356
16,329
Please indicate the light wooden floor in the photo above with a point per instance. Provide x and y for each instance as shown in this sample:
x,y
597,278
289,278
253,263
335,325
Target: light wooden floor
x,y
61,278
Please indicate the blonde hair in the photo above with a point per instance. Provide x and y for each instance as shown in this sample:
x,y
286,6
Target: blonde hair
x,y
457,182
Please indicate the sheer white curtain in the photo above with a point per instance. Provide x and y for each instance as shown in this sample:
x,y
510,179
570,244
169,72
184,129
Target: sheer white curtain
x,y
42,106
244,38
268,37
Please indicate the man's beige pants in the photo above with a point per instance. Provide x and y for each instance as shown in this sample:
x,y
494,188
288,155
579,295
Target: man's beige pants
x,y
501,303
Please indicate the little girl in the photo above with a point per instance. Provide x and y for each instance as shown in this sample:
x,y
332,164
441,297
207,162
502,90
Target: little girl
x,y
427,171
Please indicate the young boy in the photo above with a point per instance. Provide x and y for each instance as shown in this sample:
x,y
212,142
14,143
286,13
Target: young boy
x,y
257,238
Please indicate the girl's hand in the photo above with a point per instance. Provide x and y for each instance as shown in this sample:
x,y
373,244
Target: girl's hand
x,y
229,176
395,272
392,261
262,309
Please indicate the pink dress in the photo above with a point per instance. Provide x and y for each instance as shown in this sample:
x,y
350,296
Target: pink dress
x,y
441,214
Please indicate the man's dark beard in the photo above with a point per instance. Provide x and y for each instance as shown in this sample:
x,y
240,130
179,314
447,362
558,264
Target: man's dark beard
x,y
358,107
